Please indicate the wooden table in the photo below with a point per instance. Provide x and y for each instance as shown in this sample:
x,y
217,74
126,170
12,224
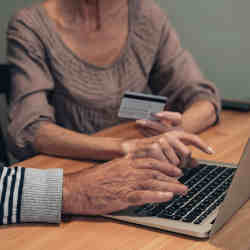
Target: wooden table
x,y
97,233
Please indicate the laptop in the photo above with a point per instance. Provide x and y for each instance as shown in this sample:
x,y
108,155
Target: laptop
x,y
216,192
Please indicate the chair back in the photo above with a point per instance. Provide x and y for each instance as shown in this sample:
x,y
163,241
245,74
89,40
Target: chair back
x,y
4,79
4,95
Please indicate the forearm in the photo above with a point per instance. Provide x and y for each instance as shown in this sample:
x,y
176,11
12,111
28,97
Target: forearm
x,y
54,140
199,117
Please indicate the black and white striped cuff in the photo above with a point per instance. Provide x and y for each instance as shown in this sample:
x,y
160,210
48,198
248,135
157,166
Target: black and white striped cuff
x,y
11,188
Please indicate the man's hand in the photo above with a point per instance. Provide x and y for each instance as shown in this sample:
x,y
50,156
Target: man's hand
x,y
119,184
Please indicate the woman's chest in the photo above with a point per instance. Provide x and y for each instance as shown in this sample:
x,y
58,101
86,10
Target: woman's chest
x,y
99,46
84,80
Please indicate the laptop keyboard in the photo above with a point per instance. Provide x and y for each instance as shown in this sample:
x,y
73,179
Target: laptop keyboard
x,y
207,189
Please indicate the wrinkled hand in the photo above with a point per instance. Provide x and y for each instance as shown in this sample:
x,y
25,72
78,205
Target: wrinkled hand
x,y
166,121
171,146
119,184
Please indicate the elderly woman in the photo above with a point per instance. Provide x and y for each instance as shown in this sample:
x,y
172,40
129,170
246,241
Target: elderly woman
x,y
72,61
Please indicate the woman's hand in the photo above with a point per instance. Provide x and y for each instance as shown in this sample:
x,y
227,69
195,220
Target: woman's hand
x,y
165,121
119,184
171,146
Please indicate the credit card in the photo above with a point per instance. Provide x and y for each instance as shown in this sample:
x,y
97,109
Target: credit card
x,y
141,106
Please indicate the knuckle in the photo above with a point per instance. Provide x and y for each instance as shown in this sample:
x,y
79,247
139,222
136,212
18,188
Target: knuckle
x,y
163,141
187,152
178,115
184,155
139,163
167,150
152,162
156,175
199,140
177,160
153,175
170,136
166,135
191,137
149,184
155,146
134,198
141,185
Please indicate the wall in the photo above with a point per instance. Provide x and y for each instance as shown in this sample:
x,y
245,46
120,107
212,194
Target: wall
x,y
8,8
217,33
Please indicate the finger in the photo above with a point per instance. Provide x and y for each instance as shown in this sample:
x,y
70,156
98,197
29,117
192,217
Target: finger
x,y
183,152
188,162
193,163
163,166
169,152
174,118
180,148
156,152
184,161
194,140
156,175
141,197
164,186
152,125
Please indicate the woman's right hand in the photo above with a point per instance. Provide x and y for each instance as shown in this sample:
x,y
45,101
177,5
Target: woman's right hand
x,y
120,183
171,146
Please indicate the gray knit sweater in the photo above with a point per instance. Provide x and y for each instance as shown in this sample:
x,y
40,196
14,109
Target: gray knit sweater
x,y
30,195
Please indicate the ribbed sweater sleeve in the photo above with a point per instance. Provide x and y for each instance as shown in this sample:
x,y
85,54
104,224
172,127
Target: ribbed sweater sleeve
x,y
30,195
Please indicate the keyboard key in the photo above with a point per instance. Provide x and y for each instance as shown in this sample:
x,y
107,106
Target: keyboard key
x,y
207,185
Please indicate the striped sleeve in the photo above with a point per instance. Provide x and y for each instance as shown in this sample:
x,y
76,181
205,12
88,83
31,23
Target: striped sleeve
x,y
11,187
30,195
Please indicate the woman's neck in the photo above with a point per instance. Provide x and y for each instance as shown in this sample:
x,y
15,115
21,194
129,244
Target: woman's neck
x,y
92,13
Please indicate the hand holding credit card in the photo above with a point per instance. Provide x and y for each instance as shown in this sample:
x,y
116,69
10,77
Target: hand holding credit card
x,y
141,106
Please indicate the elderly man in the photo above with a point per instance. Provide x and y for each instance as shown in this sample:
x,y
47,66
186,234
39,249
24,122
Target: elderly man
x,y
33,195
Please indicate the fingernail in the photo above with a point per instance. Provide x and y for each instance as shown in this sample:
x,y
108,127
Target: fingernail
x,y
176,162
178,171
159,114
210,150
142,122
185,192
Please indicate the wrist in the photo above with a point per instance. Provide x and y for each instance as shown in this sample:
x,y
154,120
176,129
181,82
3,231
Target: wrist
x,y
112,148
199,116
128,146
66,195
134,145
